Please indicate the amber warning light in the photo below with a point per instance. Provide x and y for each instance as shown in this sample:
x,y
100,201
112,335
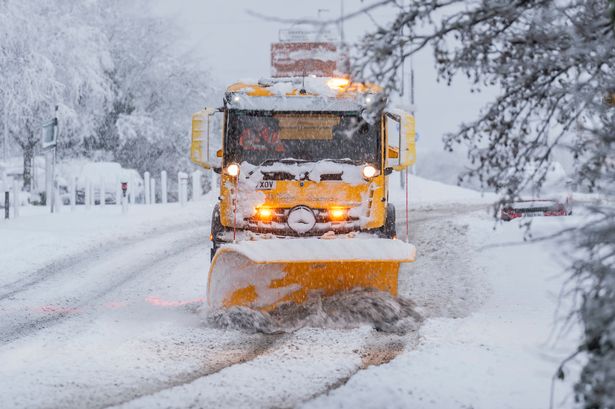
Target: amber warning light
x,y
264,213
338,213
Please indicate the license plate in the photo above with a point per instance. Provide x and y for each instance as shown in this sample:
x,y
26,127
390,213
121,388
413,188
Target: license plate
x,y
534,214
265,185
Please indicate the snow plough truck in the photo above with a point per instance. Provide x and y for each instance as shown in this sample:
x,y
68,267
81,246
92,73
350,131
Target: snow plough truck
x,y
303,190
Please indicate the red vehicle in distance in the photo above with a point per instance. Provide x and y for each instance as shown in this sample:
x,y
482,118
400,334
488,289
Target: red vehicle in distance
x,y
536,207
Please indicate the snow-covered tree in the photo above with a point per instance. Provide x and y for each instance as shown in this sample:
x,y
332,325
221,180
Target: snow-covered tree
x,y
111,68
49,57
554,65
156,90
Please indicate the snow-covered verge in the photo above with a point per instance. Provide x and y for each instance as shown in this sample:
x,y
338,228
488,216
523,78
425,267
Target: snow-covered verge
x,y
38,238
494,345
425,192
119,323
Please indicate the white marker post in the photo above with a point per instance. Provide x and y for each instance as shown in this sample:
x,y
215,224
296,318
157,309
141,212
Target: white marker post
x,y
88,194
73,193
152,191
197,190
102,193
131,189
182,188
57,199
118,192
163,186
15,198
146,186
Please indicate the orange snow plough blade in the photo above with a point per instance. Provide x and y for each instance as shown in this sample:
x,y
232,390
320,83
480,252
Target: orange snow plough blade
x,y
263,274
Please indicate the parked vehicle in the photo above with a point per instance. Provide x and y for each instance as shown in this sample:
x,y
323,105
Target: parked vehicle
x,y
536,207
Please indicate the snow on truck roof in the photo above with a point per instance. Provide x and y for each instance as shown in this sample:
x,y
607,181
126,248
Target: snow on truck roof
x,y
302,94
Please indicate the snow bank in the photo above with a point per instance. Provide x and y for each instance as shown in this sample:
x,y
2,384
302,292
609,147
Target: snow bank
x,y
107,173
424,191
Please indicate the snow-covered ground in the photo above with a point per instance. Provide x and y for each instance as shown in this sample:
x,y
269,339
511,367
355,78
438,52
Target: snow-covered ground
x,y
102,309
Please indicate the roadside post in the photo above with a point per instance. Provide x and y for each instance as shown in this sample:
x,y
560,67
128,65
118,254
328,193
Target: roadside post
x,y
103,193
15,198
88,194
49,143
73,193
152,191
118,191
196,185
131,189
7,202
163,186
146,186
182,188
124,187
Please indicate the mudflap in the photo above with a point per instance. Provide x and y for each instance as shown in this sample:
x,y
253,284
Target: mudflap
x,y
263,274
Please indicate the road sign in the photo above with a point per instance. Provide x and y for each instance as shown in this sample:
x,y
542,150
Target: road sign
x,y
50,134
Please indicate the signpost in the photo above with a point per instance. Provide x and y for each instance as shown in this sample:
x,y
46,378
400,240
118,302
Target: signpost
x,y
7,203
49,143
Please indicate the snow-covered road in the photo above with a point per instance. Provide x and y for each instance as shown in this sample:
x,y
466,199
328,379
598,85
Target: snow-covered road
x,y
118,323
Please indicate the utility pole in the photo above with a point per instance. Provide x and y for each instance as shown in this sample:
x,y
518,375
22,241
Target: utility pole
x,y
342,39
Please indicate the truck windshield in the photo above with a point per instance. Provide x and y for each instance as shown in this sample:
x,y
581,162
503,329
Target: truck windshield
x,y
258,137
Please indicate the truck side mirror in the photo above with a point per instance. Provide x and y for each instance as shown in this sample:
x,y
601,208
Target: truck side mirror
x,y
206,125
400,136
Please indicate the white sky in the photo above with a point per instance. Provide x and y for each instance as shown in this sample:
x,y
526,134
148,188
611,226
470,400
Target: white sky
x,y
234,45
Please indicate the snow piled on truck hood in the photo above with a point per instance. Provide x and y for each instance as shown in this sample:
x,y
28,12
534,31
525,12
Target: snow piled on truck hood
x,y
350,173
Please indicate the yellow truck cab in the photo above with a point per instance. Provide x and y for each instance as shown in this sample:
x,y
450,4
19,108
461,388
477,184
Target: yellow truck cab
x,y
302,157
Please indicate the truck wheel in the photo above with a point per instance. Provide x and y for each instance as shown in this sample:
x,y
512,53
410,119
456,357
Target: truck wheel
x,y
389,230
216,227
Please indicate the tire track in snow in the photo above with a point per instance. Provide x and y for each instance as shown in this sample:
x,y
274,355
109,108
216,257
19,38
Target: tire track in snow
x,y
379,350
226,359
214,357
26,326
90,256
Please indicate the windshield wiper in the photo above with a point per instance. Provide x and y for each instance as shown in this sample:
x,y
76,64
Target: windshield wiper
x,y
344,160
286,161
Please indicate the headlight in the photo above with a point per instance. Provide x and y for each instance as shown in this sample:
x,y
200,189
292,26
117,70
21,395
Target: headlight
x,y
232,169
369,171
